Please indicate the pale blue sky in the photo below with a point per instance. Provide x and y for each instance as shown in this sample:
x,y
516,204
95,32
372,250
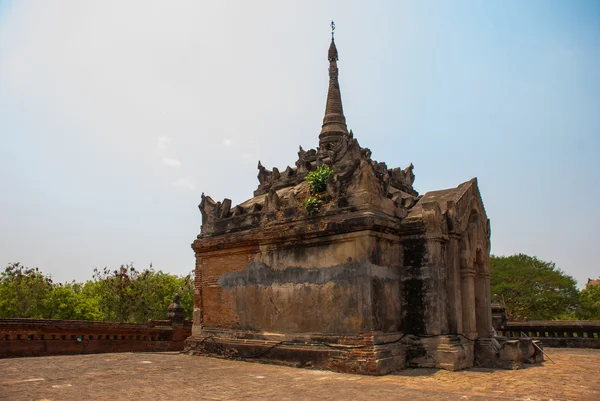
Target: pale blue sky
x,y
116,115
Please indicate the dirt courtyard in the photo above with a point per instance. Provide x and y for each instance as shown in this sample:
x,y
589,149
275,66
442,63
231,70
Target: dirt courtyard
x,y
173,376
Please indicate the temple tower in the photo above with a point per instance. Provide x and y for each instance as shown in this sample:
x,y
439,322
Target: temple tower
x,y
334,122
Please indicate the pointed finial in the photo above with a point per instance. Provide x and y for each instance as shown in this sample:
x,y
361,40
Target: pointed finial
x,y
333,54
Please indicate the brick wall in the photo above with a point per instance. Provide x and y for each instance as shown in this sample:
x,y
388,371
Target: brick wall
x,y
33,337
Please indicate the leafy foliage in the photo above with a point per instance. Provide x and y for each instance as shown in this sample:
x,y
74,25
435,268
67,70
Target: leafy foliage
x,y
72,301
317,184
128,295
122,295
589,302
24,292
312,204
533,289
317,180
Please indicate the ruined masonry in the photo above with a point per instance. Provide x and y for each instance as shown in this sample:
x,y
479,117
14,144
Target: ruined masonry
x,y
377,279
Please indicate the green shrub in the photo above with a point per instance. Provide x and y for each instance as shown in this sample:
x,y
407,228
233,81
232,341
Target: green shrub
x,y
317,180
312,204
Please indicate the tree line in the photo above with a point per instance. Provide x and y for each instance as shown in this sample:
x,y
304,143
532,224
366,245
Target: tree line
x,y
122,295
531,289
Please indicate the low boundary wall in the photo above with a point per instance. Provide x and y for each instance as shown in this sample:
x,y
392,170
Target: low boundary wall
x,y
560,333
33,337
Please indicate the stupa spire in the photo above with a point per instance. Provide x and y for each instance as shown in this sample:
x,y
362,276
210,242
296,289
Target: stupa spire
x,y
334,123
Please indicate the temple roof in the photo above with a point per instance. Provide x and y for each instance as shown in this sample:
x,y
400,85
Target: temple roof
x,y
459,200
443,196
358,184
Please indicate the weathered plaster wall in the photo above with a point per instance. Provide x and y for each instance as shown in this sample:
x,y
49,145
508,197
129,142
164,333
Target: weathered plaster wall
x,y
334,284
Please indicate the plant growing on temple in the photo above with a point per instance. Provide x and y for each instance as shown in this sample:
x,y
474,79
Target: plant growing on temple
x,y
317,180
312,204
317,184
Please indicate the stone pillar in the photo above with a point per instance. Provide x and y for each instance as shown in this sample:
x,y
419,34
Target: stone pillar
x,y
197,314
434,280
453,285
483,304
467,280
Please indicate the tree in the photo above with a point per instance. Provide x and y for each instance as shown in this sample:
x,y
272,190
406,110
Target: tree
x,y
23,292
114,290
68,301
186,295
130,295
532,289
589,302
154,292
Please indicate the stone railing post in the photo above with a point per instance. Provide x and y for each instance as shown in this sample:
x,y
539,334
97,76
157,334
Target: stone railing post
x,y
175,311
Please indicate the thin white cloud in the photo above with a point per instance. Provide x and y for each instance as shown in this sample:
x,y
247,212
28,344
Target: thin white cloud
x,y
227,141
163,143
169,161
185,183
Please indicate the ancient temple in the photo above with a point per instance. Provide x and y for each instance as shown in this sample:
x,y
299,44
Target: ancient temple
x,y
365,276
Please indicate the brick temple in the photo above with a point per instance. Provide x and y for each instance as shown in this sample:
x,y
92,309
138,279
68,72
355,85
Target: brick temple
x,y
378,278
